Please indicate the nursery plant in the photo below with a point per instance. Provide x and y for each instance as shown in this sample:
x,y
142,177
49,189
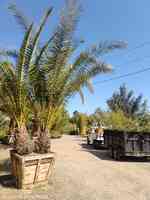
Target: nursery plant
x,y
43,78
50,76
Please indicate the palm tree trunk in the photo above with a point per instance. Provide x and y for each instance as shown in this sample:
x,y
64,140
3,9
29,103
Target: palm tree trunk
x,y
35,130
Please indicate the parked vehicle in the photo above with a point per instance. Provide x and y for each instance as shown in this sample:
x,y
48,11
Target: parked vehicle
x,y
95,137
123,143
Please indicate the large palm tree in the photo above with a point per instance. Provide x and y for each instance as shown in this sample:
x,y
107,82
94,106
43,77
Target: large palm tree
x,y
46,77
125,101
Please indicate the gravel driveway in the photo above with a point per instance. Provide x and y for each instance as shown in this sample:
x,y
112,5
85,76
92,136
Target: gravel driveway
x,y
82,173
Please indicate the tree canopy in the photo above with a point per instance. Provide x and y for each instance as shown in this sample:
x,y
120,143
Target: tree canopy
x,y
124,100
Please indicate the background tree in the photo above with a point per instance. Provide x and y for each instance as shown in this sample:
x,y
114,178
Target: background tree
x,y
80,120
62,124
82,124
96,118
125,101
4,126
144,122
117,120
75,122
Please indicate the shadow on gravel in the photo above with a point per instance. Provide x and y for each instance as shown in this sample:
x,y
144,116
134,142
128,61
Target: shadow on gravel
x,y
103,154
100,153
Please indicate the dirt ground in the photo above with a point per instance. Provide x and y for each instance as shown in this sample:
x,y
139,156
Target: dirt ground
x,y
82,173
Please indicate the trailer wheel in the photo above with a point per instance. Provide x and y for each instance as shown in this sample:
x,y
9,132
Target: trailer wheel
x,y
111,152
117,155
95,144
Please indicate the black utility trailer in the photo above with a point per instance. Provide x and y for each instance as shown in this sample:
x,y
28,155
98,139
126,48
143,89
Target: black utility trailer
x,y
124,143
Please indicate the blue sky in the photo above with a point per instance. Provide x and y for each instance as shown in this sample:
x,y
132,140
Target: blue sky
x,y
101,20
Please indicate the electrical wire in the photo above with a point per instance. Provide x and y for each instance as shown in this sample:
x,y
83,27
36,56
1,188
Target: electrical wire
x,y
123,76
136,60
133,49
129,62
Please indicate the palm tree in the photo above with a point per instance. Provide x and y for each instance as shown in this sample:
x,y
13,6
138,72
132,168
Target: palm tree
x,y
125,101
46,77
15,88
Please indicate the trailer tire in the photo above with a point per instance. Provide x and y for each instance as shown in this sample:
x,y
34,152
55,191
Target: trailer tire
x,y
111,152
117,155
95,144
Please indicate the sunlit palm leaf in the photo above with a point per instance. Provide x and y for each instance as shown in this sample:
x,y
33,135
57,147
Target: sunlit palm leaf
x,y
23,61
20,17
9,53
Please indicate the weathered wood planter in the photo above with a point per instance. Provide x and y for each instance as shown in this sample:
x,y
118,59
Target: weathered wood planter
x,y
31,170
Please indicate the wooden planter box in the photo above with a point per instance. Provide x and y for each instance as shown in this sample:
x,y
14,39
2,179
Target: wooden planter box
x,y
31,170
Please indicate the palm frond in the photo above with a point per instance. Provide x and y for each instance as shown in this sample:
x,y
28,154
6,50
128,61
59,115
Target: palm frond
x,y
62,44
9,53
106,47
23,61
43,78
81,95
39,30
20,17
90,86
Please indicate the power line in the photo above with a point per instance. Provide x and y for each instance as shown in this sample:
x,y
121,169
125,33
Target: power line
x,y
139,46
123,76
133,61
134,48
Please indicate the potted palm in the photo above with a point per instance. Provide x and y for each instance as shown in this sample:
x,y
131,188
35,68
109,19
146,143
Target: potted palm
x,y
41,83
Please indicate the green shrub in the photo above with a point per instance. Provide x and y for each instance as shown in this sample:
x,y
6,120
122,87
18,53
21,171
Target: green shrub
x,y
3,136
117,120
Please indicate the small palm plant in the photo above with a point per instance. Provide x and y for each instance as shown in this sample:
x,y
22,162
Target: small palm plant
x,y
15,88
15,104
46,77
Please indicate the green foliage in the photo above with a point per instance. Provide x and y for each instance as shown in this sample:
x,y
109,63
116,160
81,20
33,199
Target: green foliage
x,y
118,121
15,95
75,123
43,79
61,124
96,118
125,101
4,127
80,121
144,123
3,134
